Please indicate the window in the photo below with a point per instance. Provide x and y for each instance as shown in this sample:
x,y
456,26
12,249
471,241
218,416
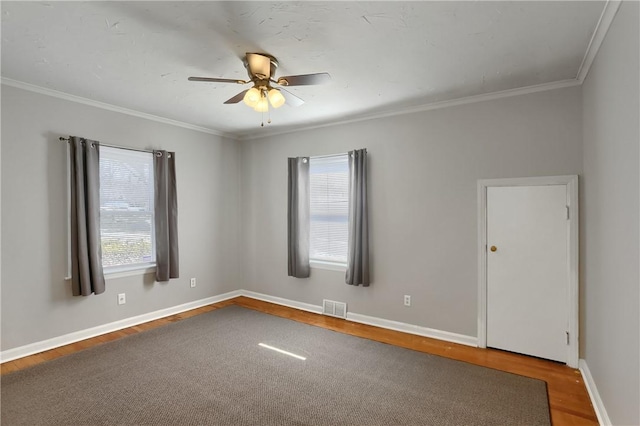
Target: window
x,y
329,187
126,209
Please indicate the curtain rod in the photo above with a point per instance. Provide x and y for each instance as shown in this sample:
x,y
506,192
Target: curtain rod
x,y
115,146
329,155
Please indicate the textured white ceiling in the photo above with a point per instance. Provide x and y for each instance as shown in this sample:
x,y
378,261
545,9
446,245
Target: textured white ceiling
x,y
382,56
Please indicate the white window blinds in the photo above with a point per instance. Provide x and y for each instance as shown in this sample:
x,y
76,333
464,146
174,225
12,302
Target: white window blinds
x,y
126,207
329,186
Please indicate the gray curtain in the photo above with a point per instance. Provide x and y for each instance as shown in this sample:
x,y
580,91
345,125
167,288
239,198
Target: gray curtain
x,y
298,217
166,215
358,251
86,250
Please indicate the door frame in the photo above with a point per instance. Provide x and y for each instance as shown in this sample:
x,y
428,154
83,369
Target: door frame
x,y
571,183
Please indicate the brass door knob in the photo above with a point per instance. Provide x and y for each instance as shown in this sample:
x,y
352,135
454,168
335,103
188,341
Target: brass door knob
x,y
494,248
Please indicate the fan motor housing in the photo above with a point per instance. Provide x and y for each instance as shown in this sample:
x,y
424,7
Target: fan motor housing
x,y
272,60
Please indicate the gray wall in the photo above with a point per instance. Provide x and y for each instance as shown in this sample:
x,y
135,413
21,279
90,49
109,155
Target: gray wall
x,y
36,300
423,173
610,218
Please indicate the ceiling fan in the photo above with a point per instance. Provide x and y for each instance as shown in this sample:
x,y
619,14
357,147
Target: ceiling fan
x,y
261,68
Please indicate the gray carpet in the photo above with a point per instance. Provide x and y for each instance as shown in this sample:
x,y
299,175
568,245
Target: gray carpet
x,y
209,370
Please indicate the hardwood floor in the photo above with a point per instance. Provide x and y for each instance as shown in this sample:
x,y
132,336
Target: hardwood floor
x,y
568,397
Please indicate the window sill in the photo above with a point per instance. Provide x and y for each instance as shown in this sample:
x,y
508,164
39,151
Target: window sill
x,y
130,271
331,266
127,271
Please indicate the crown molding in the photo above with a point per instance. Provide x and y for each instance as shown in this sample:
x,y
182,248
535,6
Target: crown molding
x,y
604,22
606,18
427,107
249,136
110,107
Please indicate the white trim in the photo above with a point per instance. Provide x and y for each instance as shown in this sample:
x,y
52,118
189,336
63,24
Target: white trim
x,y
330,266
414,329
482,265
127,272
66,339
251,136
425,107
284,302
110,107
596,401
365,319
602,27
130,272
45,345
529,181
574,272
571,182
606,18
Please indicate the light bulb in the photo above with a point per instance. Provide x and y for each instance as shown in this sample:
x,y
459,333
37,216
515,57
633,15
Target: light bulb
x,y
276,98
252,97
262,105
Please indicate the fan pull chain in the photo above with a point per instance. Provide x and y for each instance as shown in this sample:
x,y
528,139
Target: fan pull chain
x,y
264,95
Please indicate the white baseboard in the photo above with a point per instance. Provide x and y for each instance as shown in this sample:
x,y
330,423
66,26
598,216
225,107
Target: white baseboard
x,y
45,345
598,405
284,302
66,339
365,319
414,329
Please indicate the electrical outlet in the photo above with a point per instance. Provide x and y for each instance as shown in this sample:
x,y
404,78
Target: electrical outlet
x,y
193,282
407,300
122,299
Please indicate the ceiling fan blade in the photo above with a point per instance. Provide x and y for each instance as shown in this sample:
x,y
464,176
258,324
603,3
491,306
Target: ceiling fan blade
x,y
237,98
290,98
304,79
259,65
217,80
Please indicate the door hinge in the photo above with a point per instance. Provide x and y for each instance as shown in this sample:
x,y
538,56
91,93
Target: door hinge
x,y
567,337
567,212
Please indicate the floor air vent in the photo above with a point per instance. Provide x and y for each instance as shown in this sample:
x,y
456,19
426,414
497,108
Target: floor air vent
x,y
335,309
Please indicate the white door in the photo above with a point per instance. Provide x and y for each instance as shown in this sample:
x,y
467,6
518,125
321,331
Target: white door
x,y
527,270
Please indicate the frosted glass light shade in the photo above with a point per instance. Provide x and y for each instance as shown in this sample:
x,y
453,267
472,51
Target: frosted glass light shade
x,y
276,98
262,105
252,97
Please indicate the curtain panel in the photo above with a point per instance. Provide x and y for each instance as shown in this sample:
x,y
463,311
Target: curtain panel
x,y
87,276
358,247
298,217
166,215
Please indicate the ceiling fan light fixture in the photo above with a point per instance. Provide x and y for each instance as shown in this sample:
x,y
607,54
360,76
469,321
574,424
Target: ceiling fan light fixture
x,y
262,105
275,98
252,97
